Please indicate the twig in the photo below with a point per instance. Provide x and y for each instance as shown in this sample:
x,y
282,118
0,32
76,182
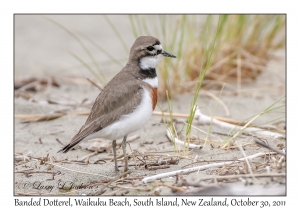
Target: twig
x,y
189,170
177,141
204,119
179,115
25,170
77,171
156,113
172,187
131,164
28,86
164,155
88,156
54,133
153,167
159,164
246,159
111,181
201,161
241,176
39,172
269,147
25,95
23,157
59,141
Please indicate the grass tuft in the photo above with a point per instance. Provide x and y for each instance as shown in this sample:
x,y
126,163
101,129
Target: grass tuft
x,y
244,45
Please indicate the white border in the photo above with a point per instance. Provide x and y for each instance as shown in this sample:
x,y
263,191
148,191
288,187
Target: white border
x,y
8,8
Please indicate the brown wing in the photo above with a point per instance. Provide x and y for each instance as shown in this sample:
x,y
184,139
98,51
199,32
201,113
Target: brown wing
x,y
113,102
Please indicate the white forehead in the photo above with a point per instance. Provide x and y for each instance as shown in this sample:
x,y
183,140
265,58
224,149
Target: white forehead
x,y
158,47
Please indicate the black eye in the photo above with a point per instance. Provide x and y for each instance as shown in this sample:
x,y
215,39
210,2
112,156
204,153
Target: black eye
x,y
150,48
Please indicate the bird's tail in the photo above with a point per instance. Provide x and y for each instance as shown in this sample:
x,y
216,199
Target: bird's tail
x,y
67,148
75,140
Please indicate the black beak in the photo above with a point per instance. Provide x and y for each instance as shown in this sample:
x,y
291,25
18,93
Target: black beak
x,y
164,53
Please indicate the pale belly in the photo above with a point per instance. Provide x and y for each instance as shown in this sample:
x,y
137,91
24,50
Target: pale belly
x,y
127,123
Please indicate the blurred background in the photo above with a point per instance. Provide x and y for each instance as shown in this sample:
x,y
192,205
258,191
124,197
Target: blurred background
x,y
233,49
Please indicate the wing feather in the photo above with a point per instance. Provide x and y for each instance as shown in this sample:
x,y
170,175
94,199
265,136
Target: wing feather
x,y
113,102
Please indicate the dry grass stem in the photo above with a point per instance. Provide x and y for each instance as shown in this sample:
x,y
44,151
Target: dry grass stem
x,y
95,84
38,117
218,100
203,167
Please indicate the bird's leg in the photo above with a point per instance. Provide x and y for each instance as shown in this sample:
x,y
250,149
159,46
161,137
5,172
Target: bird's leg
x,y
114,144
125,156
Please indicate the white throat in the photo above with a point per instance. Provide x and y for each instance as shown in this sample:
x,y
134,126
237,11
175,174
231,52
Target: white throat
x,y
150,62
152,81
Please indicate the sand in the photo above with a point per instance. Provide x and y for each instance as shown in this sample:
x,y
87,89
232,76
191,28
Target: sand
x,y
41,50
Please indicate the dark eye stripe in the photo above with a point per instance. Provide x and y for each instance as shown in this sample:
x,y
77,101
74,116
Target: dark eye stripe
x,y
150,48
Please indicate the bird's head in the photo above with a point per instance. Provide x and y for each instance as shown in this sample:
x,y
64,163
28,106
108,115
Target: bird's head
x,y
147,50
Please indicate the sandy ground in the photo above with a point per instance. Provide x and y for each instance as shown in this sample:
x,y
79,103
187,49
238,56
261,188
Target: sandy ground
x,y
41,49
